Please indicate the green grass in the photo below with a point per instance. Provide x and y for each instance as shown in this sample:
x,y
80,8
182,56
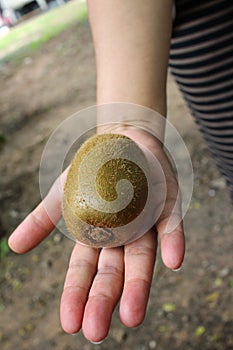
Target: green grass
x,y
4,248
29,36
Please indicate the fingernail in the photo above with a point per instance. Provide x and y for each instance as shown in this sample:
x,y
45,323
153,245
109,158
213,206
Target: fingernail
x,y
96,342
176,270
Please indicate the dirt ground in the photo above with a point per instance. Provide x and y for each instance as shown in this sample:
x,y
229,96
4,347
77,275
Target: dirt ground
x,y
190,309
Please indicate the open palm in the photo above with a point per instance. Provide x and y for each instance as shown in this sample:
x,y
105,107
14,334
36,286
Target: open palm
x,y
98,278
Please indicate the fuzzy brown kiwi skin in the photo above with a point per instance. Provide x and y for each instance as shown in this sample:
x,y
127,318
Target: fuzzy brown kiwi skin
x,y
89,225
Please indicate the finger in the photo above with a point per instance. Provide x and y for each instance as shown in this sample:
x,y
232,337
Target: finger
x,y
104,294
41,221
32,230
82,268
139,264
170,229
169,225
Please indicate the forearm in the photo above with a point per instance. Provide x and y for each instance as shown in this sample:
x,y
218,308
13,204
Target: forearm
x,y
132,41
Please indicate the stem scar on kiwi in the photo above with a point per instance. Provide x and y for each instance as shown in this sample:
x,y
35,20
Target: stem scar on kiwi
x,y
105,190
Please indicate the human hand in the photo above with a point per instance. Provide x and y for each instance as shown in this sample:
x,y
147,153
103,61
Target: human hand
x,y
98,278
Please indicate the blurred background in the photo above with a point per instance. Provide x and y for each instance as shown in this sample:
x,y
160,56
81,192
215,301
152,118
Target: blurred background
x,y
47,72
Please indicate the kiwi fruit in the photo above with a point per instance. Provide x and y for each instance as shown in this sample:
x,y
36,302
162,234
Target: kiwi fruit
x,y
106,189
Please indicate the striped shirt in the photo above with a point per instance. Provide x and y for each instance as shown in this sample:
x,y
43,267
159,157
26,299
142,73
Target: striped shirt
x,y
201,61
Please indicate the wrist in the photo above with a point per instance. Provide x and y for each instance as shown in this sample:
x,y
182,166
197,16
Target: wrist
x,y
130,118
